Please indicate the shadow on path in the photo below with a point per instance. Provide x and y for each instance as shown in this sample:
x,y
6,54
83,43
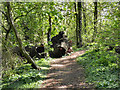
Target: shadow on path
x,y
66,73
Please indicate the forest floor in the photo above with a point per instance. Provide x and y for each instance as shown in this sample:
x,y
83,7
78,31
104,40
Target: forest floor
x,y
66,73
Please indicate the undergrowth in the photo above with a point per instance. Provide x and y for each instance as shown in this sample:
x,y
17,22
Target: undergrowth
x,y
101,68
25,76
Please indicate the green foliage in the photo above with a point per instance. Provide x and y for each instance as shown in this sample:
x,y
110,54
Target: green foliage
x,y
33,21
26,77
101,68
108,31
9,62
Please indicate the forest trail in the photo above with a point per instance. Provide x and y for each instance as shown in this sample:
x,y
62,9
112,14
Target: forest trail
x,y
66,73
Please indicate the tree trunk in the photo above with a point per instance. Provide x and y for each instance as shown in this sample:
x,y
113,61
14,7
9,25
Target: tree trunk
x,y
80,23
23,51
95,21
76,15
84,16
118,9
8,24
7,32
49,30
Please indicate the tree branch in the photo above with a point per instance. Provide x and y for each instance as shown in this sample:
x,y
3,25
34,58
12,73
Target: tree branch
x,y
3,13
4,28
23,51
8,32
25,14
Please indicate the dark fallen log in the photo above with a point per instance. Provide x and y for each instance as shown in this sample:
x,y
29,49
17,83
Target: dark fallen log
x,y
34,51
38,51
57,53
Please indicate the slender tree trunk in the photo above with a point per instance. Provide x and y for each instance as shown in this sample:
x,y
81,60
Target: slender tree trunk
x,y
27,37
7,31
119,7
84,16
8,23
17,37
80,23
76,15
95,21
100,16
49,30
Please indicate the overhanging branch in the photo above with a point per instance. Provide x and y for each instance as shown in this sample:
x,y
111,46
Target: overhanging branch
x,y
25,14
4,28
3,13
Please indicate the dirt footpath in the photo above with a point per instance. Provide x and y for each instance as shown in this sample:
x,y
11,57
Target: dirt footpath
x,y
66,73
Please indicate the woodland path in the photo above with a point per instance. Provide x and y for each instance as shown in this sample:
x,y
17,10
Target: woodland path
x,y
66,73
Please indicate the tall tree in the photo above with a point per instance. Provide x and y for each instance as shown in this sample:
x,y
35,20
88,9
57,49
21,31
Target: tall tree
x,y
84,16
49,30
76,15
5,13
17,37
95,20
79,23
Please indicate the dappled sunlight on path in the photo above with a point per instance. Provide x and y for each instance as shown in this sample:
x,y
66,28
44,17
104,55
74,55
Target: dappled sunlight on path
x,y
66,73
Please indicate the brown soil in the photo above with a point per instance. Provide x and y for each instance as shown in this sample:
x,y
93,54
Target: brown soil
x,y
66,73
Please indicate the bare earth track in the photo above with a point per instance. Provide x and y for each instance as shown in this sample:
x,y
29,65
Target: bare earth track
x,y
66,73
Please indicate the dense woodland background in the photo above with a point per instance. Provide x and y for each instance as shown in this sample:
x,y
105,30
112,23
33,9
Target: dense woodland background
x,y
92,26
